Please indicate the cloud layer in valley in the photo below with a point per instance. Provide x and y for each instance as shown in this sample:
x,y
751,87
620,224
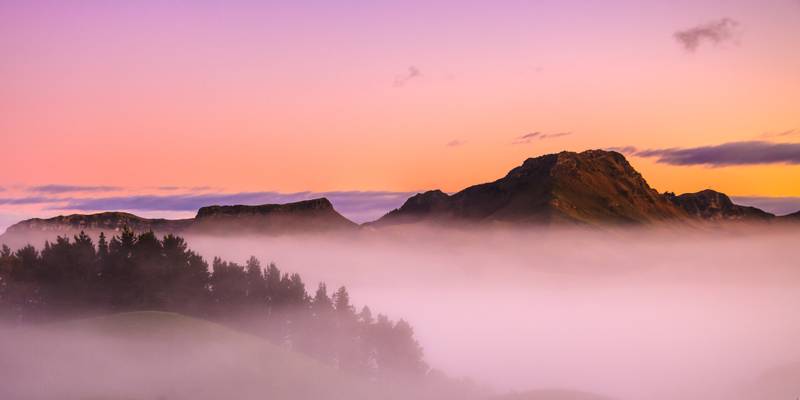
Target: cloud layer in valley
x,y
569,308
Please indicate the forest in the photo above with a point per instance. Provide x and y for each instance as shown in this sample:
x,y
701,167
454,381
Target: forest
x,y
73,278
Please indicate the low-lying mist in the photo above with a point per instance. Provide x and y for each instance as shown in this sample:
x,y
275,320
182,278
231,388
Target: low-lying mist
x,y
631,314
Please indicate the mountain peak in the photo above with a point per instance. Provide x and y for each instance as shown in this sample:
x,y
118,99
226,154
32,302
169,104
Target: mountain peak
x,y
590,187
712,205
594,186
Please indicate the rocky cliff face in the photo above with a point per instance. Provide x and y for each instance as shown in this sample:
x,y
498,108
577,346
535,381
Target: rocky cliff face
x,y
591,187
310,215
710,205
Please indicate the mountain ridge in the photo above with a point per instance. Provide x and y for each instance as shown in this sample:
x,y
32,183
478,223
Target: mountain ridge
x,y
594,187
314,215
591,187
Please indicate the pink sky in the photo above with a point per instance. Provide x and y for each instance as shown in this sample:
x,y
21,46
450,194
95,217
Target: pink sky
x,y
315,96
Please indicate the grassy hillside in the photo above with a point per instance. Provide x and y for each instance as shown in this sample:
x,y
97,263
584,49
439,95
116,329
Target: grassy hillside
x,y
157,355
166,356
552,395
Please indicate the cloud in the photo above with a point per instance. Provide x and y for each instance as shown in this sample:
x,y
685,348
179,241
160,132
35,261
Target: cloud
x,y
57,189
528,137
554,135
714,32
29,200
359,206
402,79
775,205
624,149
726,154
456,143
790,132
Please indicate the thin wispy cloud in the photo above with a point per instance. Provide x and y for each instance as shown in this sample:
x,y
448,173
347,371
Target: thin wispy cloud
x,y
183,188
359,206
723,155
57,189
27,200
714,33
410,74
790,132
456,143
529,137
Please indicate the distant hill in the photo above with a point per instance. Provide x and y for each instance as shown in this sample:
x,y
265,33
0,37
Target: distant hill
x,y
310,215
105,221
316,215
792,217
711,205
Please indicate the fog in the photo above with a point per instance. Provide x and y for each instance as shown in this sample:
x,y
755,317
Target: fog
x,y
636,314
629,314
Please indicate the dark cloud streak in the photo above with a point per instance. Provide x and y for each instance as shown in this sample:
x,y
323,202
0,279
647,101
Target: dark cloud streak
x,y
723,155
57,189
528,137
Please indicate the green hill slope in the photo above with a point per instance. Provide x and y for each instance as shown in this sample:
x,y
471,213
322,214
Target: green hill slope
x,y
157,355
552,395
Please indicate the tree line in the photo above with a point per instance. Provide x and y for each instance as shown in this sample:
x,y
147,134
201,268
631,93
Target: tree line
x,y
130,272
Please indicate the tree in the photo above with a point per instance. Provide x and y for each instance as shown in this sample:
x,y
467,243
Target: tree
x,y
256,283
129,272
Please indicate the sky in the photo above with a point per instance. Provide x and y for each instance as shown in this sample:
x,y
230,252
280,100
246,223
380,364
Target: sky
x,y
374,100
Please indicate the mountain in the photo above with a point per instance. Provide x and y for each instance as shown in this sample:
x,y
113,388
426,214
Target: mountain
x,y
317,215
591,187
792,217
106,221
594,187
711,205
309,215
